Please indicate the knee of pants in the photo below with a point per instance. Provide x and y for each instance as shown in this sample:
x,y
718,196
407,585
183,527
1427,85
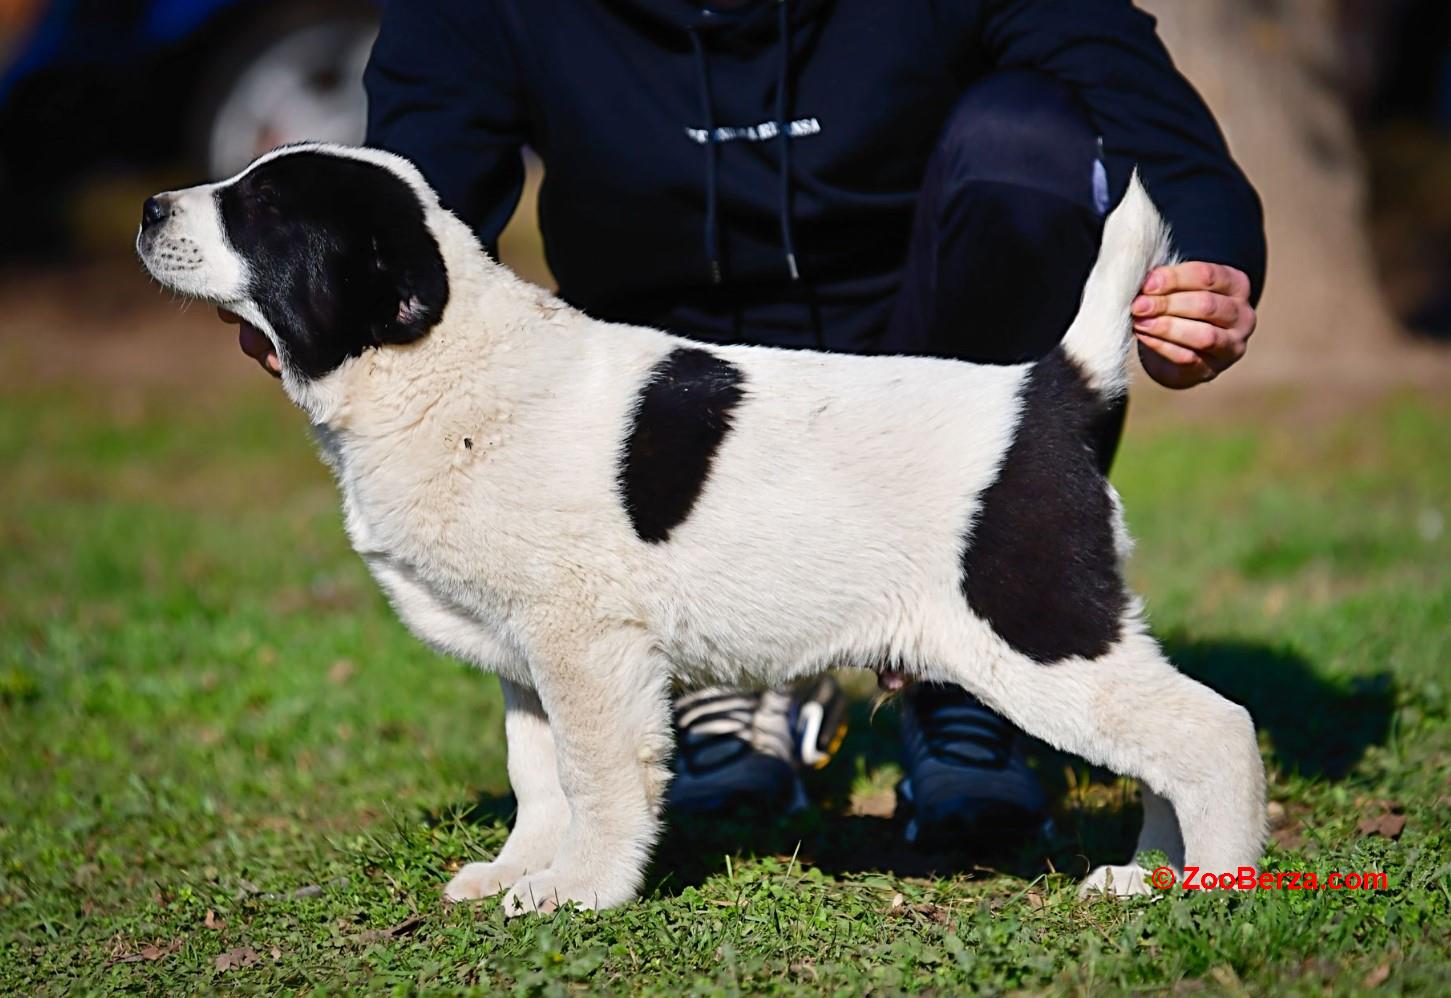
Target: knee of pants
x,y
1021,128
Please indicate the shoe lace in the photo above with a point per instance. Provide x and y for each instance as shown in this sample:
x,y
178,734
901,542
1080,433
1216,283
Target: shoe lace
x,y
957,727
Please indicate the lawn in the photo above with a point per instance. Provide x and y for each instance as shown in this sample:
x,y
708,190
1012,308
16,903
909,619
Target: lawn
x,y
226,765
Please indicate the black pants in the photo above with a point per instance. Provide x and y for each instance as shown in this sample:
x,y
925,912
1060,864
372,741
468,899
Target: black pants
x,y
1006,231
1007,225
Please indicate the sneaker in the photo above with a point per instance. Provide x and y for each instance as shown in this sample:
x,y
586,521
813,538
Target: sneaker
x,y
967,784
738,748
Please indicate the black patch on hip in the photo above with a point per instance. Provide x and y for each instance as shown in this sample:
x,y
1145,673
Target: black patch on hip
x,y
684,413
1040,565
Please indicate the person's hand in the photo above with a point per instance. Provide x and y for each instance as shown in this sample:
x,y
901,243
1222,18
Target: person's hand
x,y
1193,320
253,343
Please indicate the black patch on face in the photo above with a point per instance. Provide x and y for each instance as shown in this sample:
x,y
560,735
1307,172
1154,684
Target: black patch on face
x,y
1041,567
341,258
684,413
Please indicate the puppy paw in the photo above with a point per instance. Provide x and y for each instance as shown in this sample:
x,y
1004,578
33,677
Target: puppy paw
x,y
1117,881
548,891
482,880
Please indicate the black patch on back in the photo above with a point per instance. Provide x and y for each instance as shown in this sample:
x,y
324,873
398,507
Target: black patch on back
x,y
1040,566
684,414
340,255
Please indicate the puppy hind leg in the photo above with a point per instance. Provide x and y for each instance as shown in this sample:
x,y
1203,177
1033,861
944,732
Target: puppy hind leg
x,y
543,811
1200,754
609,713
1130,710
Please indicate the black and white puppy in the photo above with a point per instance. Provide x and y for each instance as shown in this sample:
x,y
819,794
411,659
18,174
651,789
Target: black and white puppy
x,y
597,511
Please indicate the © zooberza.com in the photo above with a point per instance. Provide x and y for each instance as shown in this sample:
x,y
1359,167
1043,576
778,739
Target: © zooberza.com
x,y
1247,878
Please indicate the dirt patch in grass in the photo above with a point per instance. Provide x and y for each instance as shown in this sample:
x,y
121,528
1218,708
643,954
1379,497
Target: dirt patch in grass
x,y
108,325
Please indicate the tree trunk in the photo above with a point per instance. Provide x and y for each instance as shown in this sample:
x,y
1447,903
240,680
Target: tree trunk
x,y
1270,70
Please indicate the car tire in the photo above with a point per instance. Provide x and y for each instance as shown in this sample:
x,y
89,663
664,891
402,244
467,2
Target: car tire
x,y
295,75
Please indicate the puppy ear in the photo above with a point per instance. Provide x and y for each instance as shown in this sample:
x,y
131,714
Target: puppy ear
x,y
411,285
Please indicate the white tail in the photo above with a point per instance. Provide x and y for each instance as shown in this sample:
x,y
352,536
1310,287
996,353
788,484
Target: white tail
x,y
1135,241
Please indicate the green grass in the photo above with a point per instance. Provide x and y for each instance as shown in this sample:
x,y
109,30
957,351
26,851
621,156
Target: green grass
x,y
215,739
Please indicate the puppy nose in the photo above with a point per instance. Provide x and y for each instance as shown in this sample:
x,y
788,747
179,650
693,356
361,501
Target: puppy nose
x,y
153,212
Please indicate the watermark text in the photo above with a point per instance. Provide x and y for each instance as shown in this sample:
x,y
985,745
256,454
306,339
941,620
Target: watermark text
x,y
1247,878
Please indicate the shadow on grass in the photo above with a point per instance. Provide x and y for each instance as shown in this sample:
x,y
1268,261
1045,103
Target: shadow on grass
x,y
1317,727
485,809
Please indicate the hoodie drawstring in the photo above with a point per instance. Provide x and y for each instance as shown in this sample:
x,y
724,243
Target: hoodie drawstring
x,y
712,194
783,137
783,126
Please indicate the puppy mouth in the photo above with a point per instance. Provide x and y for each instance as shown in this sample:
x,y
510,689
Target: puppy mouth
x,y
257,346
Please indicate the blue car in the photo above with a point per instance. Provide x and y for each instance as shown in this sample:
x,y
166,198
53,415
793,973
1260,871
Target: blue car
x,y
216,82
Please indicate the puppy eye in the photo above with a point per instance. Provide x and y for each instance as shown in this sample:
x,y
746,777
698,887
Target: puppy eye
x,y
263,195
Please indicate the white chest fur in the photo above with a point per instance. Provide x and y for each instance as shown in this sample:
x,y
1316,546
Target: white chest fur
x,y
459,621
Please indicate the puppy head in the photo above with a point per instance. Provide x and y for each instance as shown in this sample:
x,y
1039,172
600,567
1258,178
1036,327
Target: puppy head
x,y
327,250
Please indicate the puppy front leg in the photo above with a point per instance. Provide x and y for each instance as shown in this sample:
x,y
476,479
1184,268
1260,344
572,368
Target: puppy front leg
x,y
543,812
610,716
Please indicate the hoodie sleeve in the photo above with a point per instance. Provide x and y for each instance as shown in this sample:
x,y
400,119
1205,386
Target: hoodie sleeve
x,y
1148,115
443,92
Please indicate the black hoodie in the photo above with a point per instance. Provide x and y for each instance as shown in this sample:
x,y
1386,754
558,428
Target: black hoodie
x,y
758,236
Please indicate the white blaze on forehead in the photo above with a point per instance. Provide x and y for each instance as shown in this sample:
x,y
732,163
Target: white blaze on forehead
x,y
396,165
